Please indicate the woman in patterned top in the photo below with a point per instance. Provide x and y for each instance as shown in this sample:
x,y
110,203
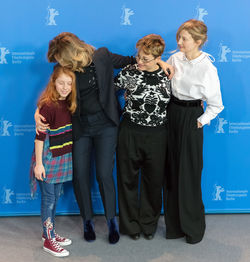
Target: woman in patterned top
x,y
142,139
52,158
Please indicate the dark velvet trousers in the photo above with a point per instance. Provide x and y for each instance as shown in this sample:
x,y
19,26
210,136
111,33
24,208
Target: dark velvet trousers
x,y
99,136
184,209
140,149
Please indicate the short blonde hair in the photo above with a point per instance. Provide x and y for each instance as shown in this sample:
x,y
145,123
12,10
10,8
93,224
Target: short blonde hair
x,y
151,45
71,52
197,29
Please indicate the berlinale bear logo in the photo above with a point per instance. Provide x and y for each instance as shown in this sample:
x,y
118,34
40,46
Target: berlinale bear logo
x,y
224,50
3,53
200,13
126,13
52,13
219,126
217,192
4,125
7,196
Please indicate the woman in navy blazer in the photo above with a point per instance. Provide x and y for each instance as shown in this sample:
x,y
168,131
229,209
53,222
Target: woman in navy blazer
x,y
94,123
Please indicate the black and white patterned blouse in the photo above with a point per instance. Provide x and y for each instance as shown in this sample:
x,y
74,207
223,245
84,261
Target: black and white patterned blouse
x,y
148,94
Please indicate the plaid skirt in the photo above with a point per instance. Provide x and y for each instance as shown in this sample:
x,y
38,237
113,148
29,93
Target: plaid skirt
x,y
57,169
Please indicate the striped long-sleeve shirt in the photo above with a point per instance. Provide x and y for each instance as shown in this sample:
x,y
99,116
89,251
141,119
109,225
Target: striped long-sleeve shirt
x,y
58,117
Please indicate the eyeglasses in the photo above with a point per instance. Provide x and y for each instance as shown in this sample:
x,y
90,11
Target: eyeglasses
x,y
143,60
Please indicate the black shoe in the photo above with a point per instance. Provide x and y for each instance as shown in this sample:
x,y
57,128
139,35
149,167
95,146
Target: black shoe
x,y
89,232
135,236
149,236
114,235
191,240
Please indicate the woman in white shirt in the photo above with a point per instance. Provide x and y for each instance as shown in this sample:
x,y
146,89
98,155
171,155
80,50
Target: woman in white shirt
x,y
195,80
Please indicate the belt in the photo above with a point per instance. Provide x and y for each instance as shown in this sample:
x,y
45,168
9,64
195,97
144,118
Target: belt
x,y
186,103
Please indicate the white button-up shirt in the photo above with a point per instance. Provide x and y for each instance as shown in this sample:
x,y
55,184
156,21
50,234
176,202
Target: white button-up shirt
x,y
197,79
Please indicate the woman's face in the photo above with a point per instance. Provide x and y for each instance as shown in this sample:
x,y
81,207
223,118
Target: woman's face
x,y
147,62
63,86
187,44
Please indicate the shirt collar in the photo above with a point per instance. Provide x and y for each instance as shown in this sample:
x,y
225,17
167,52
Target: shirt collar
x,y
196,60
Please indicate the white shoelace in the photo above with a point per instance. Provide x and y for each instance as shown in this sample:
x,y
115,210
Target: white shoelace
x,y
56,245
59,237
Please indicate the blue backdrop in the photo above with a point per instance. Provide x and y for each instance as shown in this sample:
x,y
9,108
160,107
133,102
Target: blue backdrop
x,y
26,26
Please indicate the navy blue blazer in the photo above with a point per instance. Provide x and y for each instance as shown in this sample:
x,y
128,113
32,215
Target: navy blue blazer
x,y
104,62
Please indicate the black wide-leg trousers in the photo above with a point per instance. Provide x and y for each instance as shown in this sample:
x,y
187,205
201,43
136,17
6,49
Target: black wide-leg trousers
x,y
184,209
140,149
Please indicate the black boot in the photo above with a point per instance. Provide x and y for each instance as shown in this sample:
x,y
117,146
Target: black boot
x,y
114,235
89,232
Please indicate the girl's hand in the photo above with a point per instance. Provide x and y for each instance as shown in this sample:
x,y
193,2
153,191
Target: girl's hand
x,y
167,68
39,172
40,125
199,125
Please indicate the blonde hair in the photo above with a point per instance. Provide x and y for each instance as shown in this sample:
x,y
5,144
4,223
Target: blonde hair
x,y
151,45
71,52
50,94
197,29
